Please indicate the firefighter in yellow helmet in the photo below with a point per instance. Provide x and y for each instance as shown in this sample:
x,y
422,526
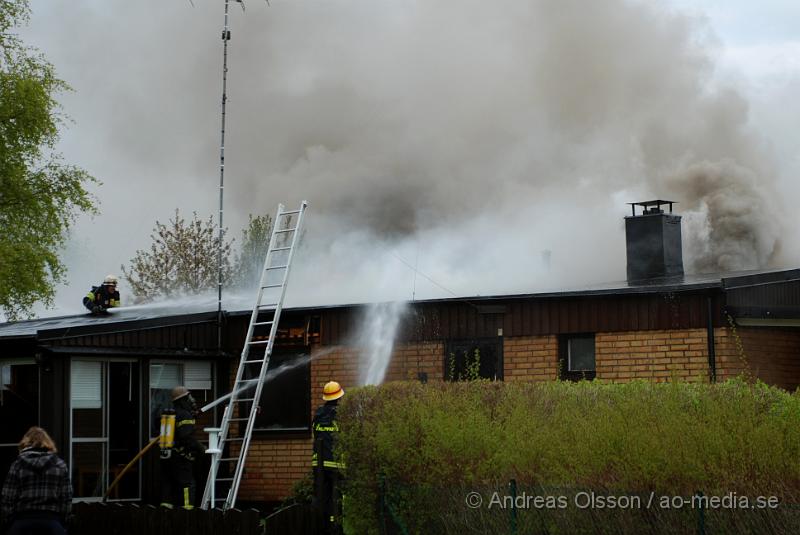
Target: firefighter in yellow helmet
x,y
327,469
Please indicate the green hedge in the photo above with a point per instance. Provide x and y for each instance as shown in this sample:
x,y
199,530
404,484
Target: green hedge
x,y
433,442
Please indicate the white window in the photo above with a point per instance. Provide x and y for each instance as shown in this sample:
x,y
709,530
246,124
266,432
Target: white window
x,y
576,357
196,375
87,385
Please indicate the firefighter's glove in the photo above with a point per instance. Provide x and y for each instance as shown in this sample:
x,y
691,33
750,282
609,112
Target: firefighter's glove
x,y
98,309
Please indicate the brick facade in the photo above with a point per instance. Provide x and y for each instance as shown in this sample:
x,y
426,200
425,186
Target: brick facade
x,y
653,355
770,354
273,466
530,358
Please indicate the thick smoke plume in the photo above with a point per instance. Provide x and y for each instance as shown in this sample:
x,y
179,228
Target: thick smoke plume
x,y
461,137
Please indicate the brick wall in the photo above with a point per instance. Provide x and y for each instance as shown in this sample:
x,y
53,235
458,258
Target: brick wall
x,y
530,358
342,364
273,466
770,354
653,355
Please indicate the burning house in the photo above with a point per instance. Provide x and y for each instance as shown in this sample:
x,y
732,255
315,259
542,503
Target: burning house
x,y
98,384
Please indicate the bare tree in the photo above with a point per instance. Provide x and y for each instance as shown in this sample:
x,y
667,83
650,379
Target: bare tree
x,y
181,260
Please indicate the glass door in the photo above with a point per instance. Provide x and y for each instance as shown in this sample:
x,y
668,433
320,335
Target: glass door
x,y
105,411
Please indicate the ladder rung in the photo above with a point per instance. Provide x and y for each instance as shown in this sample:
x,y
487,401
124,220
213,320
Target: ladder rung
x,y
268,305
289,213
224,479
245,399
226,459
286,230
253,361
280,249
237,439
239,419
277,267
258,342
271,286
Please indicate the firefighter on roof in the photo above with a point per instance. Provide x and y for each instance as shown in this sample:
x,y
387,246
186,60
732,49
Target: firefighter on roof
x,y
327,469
101,298
179,449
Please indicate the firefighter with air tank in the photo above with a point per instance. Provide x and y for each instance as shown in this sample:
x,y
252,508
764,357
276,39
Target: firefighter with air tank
x,y
101,298
327,469
179,449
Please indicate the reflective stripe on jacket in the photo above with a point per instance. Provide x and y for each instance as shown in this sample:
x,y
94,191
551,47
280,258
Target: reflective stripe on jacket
x,y
326,432
99,295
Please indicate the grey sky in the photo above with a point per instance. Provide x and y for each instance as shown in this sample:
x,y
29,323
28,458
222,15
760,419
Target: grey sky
x,y
462,137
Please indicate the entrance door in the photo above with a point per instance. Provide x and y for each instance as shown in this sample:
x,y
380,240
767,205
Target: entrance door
x,y
106,430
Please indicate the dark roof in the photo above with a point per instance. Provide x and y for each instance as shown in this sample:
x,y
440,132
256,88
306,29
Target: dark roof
x,y
157,315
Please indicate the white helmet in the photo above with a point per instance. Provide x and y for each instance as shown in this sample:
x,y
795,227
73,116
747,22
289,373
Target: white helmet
x,y
110,279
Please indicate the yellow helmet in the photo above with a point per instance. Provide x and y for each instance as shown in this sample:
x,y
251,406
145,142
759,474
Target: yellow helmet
x,y
332,390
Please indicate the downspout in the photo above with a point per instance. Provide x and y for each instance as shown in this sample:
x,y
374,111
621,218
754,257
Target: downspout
x,y
712,352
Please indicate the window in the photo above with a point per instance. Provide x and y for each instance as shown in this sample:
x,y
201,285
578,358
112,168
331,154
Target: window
x,y
576,357
196,375
467,360
105,426
19,405
286,394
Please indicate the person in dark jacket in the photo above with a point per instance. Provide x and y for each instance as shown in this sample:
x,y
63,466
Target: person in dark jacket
x,y
327,469
37,494
178,470
101,298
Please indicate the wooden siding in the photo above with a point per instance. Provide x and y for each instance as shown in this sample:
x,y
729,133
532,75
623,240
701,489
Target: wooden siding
x,y
768,300
537,316
197,336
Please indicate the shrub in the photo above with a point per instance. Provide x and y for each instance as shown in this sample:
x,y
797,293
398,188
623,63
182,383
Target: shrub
x,y
428,442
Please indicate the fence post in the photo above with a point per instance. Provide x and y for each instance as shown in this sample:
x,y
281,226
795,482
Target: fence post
x,y
701,514
513,488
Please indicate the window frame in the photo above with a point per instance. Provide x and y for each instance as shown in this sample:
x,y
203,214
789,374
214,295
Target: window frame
x,y
104,440
11,447
296,352
458,344
211,392
564,373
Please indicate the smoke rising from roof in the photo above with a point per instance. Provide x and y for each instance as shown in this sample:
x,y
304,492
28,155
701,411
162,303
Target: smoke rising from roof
x,y
470,136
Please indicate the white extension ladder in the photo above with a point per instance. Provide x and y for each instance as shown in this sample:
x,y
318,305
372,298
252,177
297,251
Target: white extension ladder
x,y
253,363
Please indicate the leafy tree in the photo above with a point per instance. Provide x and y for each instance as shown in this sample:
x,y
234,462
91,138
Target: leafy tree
x,y
40,195
182,260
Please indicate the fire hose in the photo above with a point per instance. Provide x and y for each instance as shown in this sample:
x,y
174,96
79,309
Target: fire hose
x,y
128,467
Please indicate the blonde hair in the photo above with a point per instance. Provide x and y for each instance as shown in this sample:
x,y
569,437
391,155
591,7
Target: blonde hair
x,y
36,437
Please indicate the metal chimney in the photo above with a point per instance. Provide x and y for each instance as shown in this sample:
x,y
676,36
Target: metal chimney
x,y
653,242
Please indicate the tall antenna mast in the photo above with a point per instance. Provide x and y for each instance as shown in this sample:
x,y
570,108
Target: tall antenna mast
x,y
226,36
